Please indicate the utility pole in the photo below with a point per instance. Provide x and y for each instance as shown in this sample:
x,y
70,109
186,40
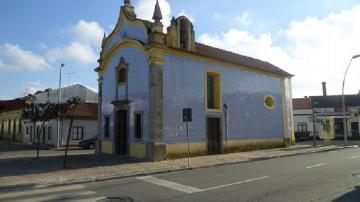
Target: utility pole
x,y
69,76
58,116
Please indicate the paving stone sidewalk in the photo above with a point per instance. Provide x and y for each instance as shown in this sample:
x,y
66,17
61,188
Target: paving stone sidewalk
x,y
47,171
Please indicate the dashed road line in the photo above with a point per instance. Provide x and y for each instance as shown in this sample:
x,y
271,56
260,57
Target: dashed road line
x,y
353,157
236,183
190,189
90,199
317,165
58,196
39,191
169,184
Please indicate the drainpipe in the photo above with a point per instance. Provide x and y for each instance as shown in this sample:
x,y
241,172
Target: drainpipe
x,y
226,128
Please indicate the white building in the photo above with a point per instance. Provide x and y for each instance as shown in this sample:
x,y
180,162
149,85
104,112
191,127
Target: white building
x,y
85,118
303,117
51,95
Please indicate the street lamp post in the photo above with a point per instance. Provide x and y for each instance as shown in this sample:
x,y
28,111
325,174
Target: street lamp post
x,y
343,100
58,117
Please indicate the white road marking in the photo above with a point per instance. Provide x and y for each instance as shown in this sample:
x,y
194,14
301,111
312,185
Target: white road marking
x,y
353,157
317,165
235,183
90,199
169,184
39,191
57,196
189,189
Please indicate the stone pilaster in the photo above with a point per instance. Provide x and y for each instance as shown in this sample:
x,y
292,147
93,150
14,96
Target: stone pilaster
x,y
156,149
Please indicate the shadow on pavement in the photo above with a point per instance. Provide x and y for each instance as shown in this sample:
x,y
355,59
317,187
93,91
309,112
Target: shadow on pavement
x,y
350,196
30,165
18,160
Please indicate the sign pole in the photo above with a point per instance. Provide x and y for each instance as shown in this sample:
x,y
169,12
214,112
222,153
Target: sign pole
x,y
188,143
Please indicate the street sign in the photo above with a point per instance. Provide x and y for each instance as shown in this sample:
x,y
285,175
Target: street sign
x,y
187,115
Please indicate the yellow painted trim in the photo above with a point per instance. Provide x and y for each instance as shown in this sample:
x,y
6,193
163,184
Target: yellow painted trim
x,y
106,147
121,19
180,149
285,122
248,145
193,56
218,90
292,135
265,104
118,47
137,150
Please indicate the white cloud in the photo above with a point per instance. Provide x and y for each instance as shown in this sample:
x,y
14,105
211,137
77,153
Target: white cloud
x,y
244,19
315,50
217,16
145,10
32,87
87,32
14,57
184,13
76,51
87,37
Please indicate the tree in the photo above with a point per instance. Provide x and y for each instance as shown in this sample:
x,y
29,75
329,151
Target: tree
x,y
70,107
42,112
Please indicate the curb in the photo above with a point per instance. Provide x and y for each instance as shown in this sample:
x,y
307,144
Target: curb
x,y
23,187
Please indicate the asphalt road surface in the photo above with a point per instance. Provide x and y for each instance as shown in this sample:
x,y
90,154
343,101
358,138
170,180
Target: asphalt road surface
x,y
327,176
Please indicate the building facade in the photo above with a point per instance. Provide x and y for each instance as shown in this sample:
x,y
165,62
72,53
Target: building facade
x,y
326,107
147,78
84,127
303,118
67,93
11,120
85,117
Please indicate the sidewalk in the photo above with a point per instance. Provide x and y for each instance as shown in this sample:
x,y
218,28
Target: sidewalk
x,y
26,172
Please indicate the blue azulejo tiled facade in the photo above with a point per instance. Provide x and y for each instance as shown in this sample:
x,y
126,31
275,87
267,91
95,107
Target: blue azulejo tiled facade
x,y
147,78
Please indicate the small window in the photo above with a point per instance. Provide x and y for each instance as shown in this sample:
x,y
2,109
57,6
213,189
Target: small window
x,y
31,130
213,94
302,127
49,132
121,75
27,130
269,102
107,127
138,126
77,133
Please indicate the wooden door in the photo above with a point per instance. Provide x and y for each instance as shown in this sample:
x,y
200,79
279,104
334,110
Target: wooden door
x,y
214,136
121,137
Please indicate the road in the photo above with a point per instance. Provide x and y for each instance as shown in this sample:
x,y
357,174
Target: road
x,y
327,176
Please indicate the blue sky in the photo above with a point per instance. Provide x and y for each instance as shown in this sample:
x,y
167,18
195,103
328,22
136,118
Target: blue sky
x,y
312,39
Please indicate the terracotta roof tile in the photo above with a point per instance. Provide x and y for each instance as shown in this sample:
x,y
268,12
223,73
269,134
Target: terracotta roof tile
x,y
10,105
301,103
228,56
85,111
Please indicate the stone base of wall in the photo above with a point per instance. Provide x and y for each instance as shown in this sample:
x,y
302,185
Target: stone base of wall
x,y
106,147
179,150
250,145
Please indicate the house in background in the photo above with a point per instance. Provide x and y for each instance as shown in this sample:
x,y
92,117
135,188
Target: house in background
x,y
15,127
85,120
84,127
11,119
77,90
147,77
326,106
303,118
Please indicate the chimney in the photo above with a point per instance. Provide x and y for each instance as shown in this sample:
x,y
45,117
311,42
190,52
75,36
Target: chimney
x,y
324,88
